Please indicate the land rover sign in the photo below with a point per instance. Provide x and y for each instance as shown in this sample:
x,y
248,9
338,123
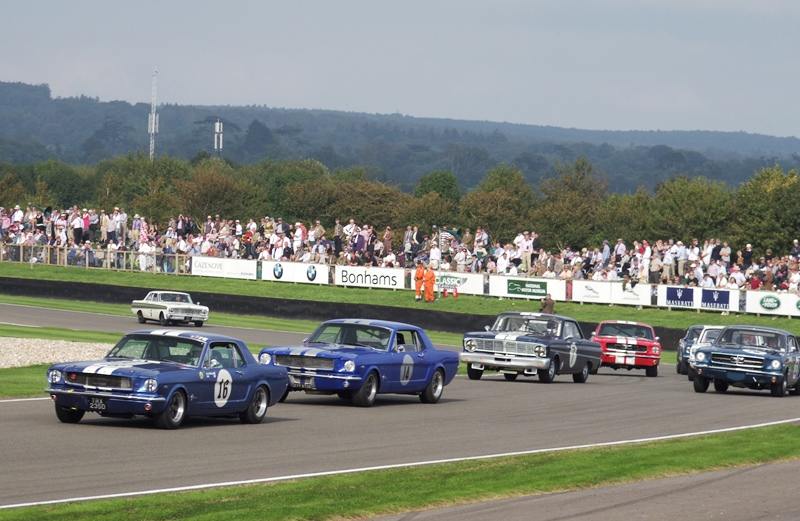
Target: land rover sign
x,y
770,302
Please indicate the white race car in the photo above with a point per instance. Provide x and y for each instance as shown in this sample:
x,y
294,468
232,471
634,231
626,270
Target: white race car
x,y
168,307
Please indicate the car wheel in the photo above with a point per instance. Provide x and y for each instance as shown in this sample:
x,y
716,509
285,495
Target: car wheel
x,y
548,375
173,414
691,374
433,391
474,374
510,376
720,385
581,377
651,371
257,410
198,323
285,395
700,384
162,319
778,389
140,317
681,367
365,396
67,415
345,395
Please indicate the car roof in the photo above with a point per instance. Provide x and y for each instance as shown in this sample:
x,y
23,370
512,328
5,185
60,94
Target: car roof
x,y
762,329
168,291
534,314
189,335
388,324
628,322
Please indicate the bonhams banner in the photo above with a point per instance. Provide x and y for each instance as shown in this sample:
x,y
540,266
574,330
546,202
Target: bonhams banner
x,y
227,268
536,289
368,277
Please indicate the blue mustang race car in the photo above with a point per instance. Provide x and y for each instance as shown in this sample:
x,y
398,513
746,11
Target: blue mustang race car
x,y
168,375
357,359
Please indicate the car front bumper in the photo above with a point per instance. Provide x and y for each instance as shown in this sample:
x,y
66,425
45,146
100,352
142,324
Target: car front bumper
x,y
744,377
115,403
619,359
325,382
504,361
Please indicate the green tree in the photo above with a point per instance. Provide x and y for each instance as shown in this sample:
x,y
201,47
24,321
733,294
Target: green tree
x,y
214,188
684,208
442,182
425,211
158,203
12,191
509,178
625,216
67,186
498,211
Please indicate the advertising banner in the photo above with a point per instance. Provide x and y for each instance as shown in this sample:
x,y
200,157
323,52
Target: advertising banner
x,y
719,299
535,289
638,295
368,277
467,283
677,296
227,268
772,303
591,291
295,272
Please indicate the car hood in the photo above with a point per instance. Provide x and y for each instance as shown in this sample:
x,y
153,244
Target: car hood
x,y
767,353
337,351
508,335
630,340
123,367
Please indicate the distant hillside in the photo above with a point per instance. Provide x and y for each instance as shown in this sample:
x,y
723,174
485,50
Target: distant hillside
x,y
396,148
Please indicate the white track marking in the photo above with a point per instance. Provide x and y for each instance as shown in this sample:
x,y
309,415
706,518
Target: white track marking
x,y
398,465
18,325
13,400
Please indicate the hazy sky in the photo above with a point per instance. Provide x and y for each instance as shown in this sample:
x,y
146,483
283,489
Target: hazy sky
x,y
615,64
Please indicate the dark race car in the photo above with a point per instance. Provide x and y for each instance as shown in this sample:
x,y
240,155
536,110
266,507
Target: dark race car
x,y
168,375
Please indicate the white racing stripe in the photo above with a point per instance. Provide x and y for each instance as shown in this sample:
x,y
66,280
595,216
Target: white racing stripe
x,y
397,465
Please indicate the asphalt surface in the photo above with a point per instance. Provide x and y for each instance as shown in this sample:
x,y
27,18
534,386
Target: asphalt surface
x,y
766,492
51,460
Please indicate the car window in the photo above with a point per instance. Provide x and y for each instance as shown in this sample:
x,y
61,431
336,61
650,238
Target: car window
x,y
158,348
224,355
409,340
792,344
352,334
571,330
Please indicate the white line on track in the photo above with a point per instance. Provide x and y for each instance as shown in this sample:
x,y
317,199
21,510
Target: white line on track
x,y
18,325
13,400
398,465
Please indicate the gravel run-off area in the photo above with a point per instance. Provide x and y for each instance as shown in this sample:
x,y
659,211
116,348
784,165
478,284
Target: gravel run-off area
x,y
19,352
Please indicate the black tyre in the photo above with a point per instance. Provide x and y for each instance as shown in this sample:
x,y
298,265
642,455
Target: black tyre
x,y
433,391
691,374
548,375
510,376
681,367
173,414
581,377
720,385
162,319
474,374
700,384
365,396
67,415
285,395
796,389
345,395
651,371
198,323
778,389
140,317
257,410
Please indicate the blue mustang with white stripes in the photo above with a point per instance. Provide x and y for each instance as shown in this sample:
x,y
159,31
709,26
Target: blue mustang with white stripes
x,y
168,375
359,359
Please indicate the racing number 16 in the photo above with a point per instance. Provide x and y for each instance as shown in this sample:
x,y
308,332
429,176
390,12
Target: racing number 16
x,y
223,387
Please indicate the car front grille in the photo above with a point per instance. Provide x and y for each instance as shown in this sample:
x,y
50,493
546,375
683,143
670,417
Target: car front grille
x,y
304,362
504,346
186,311
105,381
627,347
743,361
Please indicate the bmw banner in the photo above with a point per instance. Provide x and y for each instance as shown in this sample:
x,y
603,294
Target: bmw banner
x,y
295,272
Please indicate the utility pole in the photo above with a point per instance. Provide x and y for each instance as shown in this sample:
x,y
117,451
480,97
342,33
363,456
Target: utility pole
x,y
152,119
218,137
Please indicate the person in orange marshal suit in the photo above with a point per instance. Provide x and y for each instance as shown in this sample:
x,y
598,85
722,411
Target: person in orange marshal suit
x,y
429,279
418,276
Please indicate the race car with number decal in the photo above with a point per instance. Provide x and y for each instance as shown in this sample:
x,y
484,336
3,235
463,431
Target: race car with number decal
x,y
748,356
359,359
531,344
628,345
168,307
168,375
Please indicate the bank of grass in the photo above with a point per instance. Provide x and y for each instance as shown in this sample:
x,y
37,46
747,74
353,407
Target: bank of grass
x,y
56,333
401,490
22,382
403,299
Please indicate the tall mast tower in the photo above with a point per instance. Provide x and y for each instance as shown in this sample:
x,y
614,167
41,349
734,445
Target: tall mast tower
x,y
218,137
152,119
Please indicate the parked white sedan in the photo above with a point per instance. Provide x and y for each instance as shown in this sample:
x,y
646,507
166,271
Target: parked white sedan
x,y
169,307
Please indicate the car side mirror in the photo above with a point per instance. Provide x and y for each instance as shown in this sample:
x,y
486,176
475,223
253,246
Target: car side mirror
x,y
198,302
658,338
594,334
486,328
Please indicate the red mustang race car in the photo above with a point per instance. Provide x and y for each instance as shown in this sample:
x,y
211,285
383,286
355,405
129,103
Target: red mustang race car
x,y
628,345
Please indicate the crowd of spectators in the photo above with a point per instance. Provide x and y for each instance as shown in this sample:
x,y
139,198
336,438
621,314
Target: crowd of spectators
x,y
114,239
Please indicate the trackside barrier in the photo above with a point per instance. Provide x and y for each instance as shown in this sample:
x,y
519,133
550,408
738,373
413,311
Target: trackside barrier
x,y
584,291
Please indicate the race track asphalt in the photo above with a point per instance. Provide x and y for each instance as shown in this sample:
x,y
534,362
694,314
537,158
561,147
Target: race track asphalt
x,y
308,433
765,492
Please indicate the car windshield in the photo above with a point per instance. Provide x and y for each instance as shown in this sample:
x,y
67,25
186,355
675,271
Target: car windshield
x,y
627,330
182,298
158,348
359,335
536,326
692,334
749,338
709,335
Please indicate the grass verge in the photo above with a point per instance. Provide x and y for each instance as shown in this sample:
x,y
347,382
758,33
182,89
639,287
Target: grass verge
x,y
400,490
56,333
402,299
22,382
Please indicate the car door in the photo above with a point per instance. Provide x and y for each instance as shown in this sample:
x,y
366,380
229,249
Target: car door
x,y
415,366
575,355
793,361
226,378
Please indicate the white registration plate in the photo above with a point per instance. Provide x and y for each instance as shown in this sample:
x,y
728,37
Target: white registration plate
x,y
301,382
97,404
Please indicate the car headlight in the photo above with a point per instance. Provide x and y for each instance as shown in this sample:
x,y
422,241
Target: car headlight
x,y
656,350
470,344
150,385
54,376
264,358
775,364
349,366
700,356
539,350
